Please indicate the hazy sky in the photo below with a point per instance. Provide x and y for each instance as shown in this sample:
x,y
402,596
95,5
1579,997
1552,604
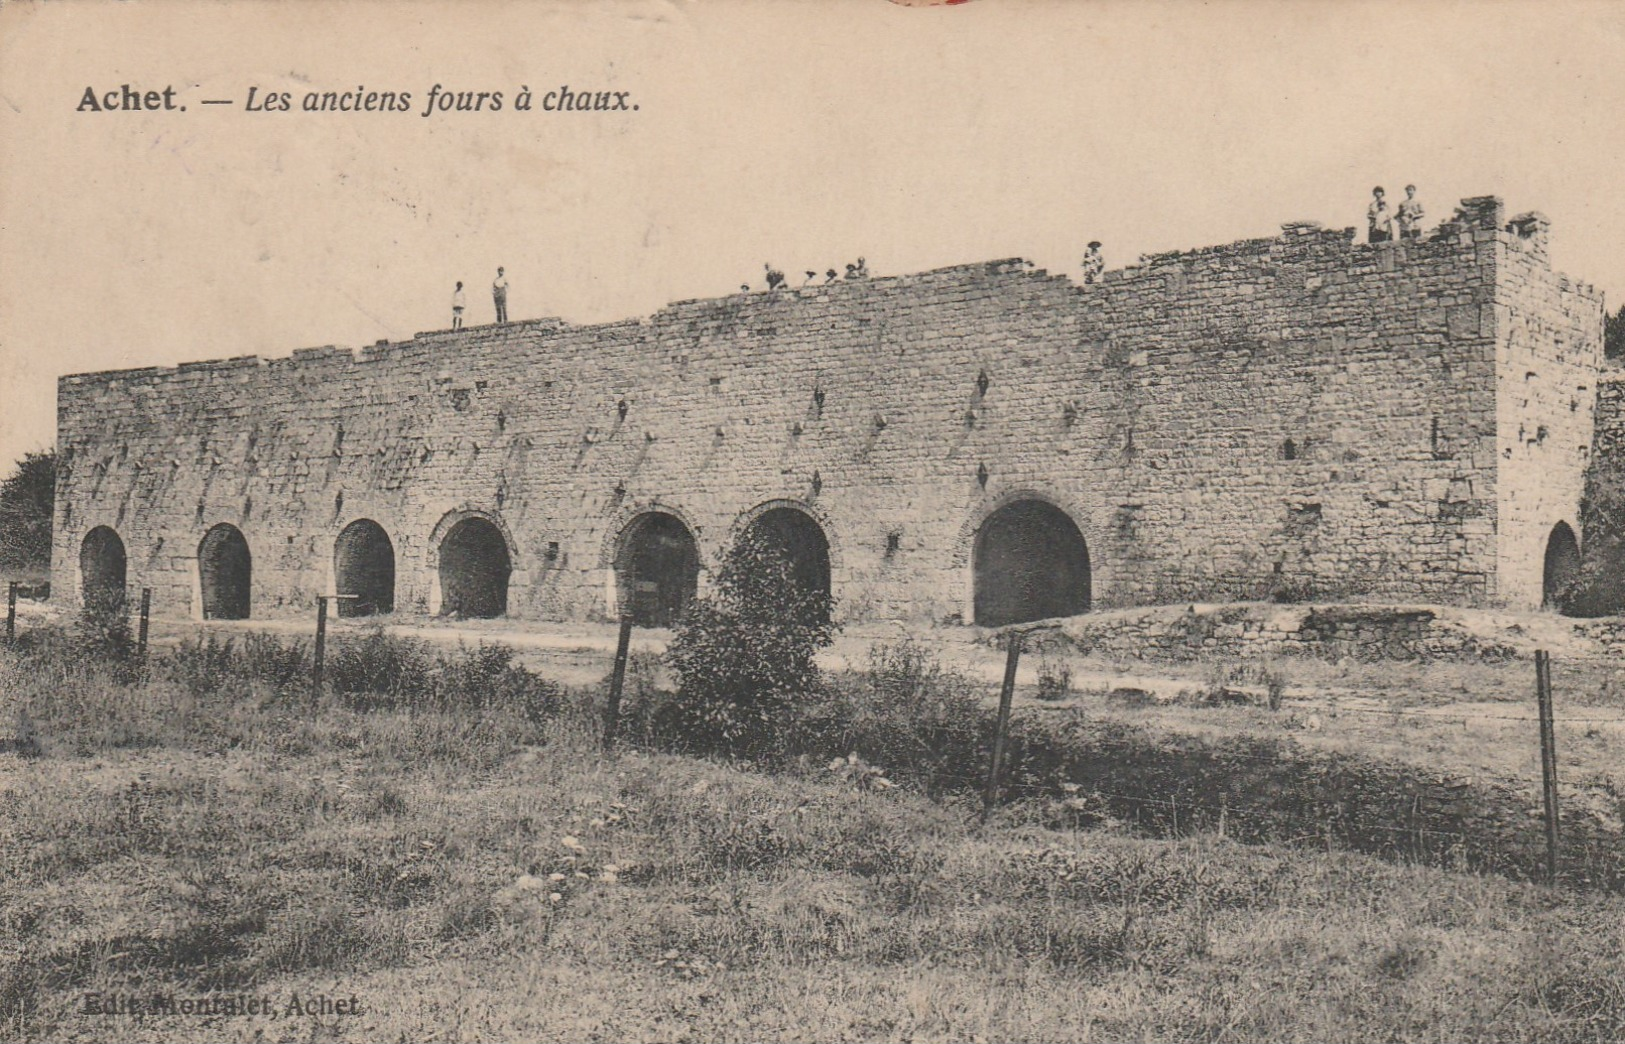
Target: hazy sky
x,y
805,134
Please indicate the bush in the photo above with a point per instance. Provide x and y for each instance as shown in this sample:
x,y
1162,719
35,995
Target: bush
x,y
1221,681
486,677
743,656
907,714
375,672
202,665
379,670
1054,679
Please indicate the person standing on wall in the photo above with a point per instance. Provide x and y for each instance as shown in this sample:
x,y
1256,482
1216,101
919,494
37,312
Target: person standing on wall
x,y
1093,263
1379,220
499,294
458,301
1410,215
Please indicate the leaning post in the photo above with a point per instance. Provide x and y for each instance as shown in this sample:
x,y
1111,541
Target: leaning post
x,y
617,682
1002,726
1548,758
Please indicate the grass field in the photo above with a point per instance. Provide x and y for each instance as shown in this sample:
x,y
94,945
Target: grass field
x,y
466,864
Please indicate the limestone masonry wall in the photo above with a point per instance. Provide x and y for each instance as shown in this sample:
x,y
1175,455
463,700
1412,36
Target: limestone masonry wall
x,y
1550,333
1297,416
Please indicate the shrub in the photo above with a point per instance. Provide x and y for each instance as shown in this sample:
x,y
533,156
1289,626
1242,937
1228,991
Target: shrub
x,y
907,713
743,656
202,665
1054,679
486,677
1221,679
267,658
379,670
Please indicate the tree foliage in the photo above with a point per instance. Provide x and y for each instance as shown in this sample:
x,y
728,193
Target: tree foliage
x,y
1600,587
27,501
1614,335
745,653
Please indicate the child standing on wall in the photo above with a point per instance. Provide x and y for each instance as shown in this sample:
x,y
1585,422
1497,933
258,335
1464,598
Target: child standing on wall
x,y
458,300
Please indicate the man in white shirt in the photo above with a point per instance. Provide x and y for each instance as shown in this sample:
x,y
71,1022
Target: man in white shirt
x,y
458,300
499,294
1410,215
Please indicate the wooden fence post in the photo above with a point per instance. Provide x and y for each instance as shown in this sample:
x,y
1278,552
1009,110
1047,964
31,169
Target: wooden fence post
x,y
1002,726
1548,757
141,633
320,652
11,611
617,682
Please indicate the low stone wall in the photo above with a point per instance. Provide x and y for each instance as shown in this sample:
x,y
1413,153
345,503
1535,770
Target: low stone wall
x,y
1608,633
1336,632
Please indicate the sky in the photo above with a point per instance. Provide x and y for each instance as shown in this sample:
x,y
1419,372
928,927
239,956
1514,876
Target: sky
x,y
805,134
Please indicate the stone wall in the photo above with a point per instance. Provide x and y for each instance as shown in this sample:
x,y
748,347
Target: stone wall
x,y
1354,632
1549,363
1298,414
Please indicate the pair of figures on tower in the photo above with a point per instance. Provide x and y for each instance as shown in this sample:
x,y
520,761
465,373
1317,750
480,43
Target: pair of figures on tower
x,y
499,296
1380,220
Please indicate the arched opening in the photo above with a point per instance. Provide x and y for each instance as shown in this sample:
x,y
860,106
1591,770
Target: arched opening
x,y
797,540
102,564
1562,571
226,571
657,569
364,566
474,568
1030,563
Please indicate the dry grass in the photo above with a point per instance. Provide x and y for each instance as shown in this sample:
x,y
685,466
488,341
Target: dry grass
x,y
253,838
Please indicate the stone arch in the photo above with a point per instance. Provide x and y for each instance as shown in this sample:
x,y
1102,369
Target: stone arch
x,y
1029,561
473,561
812,511
364,565
657,568
795,531
103,566
1562,567
225,573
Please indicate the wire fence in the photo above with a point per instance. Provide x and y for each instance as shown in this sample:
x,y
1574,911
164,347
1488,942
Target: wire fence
x,y
1071,764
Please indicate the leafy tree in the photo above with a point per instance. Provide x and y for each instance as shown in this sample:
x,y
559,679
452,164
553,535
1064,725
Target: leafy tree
x,y
744,654
1600,588
1613,345
27,501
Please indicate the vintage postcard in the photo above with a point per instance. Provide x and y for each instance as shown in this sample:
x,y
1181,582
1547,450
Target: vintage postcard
x,y
637,520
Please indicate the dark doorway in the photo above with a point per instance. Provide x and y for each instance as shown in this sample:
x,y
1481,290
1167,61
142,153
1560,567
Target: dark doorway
x,y
1562,572
657,569
226,571
1030,563
799,541
364,566
474,568
101,570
